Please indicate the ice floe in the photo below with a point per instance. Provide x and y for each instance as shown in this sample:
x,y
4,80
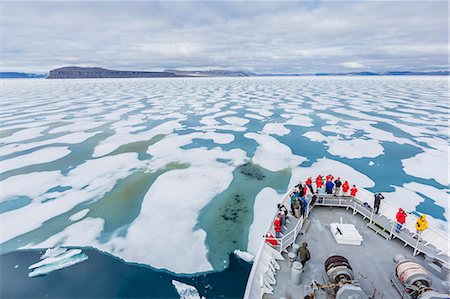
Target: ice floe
x,y
272,154
243,255
348,148
324,166
238,121
431,164
79,215
186,291
56,260
263,210
44,155
276,129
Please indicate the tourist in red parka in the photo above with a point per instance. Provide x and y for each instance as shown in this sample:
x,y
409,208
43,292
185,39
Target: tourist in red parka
x,y
319,181
309,184
330,178
271,239
401,219
353,191
345,188
277,227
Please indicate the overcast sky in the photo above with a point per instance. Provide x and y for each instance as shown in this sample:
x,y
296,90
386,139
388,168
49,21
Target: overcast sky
x,y
288,37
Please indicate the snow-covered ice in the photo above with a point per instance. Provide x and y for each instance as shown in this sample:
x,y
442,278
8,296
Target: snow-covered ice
x,y
186,291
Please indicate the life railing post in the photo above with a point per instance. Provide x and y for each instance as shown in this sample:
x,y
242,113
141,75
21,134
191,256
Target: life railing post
x,y
392,229
371,216
416,246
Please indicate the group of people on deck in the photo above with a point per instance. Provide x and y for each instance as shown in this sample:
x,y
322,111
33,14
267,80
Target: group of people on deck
x,y
329,185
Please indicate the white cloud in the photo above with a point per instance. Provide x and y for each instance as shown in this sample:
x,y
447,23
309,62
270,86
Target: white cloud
x,y
353,64
260,36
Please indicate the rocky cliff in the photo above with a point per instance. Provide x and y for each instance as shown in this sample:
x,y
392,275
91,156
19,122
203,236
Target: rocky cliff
x,y
73,72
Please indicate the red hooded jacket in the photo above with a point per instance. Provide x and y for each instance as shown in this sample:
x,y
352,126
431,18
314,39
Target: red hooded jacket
x,y
353,191
345,186
401,216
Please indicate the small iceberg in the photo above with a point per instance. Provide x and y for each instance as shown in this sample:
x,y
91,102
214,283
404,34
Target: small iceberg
x,y
186,291
55,259
244,255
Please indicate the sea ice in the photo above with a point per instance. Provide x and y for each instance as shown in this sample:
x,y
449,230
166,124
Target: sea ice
x,y
275,129
186,291
431,164
58,265
263,211
37,184
243,255
326,166
238,121
44,155
79,215
272,154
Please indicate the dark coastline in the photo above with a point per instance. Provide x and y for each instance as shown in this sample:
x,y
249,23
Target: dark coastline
x,y
104,276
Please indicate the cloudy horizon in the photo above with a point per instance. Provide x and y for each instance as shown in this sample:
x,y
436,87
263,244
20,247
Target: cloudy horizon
x,y
261,37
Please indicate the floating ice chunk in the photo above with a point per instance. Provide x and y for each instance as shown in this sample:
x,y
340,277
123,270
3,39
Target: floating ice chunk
x,y
37,184
325,166
210,120
186,291
431,164
315,136
57,265
81,233
353,148
299,120
346,131
263,210
56,258
371,163
73,138
244,255
262,112
81,125
24,134
124,136
53,252
238,121
79,215
16,266
272,154
276,129
44,155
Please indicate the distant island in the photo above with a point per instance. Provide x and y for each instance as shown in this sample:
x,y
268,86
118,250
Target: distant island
x,y
74,72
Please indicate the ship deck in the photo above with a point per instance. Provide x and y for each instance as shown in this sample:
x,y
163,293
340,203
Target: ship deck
x,y
372,261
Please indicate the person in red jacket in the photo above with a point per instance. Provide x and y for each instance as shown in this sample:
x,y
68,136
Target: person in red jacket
x,y
309,185
277,227
345,188
353,191
330,178
271,239
401,219
319,182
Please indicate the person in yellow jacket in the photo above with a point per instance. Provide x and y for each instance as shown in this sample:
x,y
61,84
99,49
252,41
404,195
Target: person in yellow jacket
x,y
421,225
